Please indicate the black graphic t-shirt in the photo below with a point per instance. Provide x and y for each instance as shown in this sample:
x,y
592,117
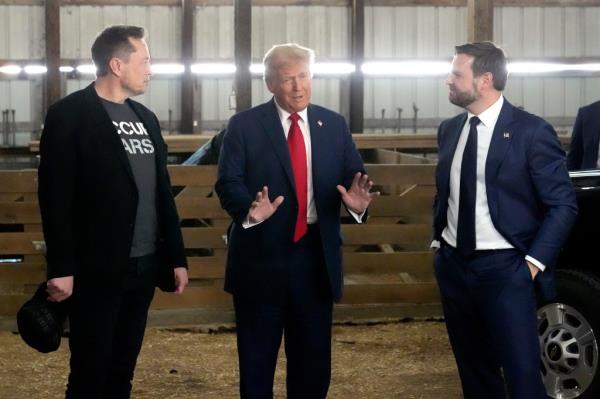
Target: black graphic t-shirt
x,y
140,151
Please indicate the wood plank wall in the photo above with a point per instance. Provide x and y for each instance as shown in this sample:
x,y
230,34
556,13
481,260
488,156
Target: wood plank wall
x,y
387,262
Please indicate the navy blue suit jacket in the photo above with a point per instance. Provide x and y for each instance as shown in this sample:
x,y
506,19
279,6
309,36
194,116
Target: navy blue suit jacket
x,y
583,153
530,196
255,154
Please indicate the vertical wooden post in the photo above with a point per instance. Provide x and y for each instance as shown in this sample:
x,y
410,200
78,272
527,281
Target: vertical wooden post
x,y
52,17
187,56
357,82
243,53
480,16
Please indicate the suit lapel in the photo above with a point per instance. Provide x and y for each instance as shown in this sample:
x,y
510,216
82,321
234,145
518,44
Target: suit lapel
x,y
501,141
107,134
272,124
318,146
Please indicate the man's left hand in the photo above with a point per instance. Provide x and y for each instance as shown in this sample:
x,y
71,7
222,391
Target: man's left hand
x,y
533,269
358,198
181,279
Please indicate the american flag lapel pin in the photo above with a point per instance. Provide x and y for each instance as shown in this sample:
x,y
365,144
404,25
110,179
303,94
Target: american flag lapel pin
x,y
506,135
319,123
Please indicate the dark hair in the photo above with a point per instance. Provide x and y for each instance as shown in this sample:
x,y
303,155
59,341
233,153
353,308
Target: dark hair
x,y
487,58
114,42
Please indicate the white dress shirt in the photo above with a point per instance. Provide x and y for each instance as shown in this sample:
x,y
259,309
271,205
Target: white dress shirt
x,y
486,235
311,209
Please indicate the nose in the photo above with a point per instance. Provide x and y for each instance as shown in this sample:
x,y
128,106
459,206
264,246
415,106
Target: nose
x,y
448,81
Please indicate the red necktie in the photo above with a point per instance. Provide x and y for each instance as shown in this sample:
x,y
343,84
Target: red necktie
x,y
297,149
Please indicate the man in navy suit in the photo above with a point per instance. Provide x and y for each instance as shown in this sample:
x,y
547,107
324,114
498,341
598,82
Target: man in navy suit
x,y
584,152
503,208
285,168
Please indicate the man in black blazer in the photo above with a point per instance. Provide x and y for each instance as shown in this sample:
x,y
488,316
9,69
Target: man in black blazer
x,y
504,206
285,168
110,223
584,152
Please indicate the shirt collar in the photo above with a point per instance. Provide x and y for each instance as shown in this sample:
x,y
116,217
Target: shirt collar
x,y
491,114
284,115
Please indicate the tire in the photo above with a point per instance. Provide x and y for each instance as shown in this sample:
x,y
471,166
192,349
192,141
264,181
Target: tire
x,y
568,331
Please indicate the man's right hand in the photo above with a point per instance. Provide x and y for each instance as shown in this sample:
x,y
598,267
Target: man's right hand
x,y
262,208
59,288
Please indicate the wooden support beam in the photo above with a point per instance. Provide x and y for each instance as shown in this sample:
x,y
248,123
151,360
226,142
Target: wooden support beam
x,y
480,20
52,20
243,53
357,81
187,55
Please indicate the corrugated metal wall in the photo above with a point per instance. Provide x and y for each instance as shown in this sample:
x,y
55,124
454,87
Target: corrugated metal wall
x,y
426,33
22,38
213,33
530,32
22,32
79,26
325,29
534,32
422,32
524,33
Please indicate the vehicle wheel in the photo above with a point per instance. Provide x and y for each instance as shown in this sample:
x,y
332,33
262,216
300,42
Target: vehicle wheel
x,y
568,334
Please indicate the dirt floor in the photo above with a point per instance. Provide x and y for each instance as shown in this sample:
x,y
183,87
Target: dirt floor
x,y
402,360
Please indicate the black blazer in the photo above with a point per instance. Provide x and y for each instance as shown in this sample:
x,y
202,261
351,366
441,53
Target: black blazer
x,y
88,197
583,153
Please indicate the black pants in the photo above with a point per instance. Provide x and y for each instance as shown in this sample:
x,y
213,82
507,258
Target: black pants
x,y
304,318
107,329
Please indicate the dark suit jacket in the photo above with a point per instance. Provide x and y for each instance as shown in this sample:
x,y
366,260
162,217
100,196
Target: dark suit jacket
x,y
530,196
88,197
255,154
583,153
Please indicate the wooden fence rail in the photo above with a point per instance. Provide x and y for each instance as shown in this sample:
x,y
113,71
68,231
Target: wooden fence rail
x,y
188,143
387,262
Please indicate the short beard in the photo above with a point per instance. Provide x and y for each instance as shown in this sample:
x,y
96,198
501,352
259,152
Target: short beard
x,y
462,99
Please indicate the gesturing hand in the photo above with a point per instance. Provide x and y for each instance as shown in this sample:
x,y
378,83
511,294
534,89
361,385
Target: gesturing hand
x,y
358,198
262,208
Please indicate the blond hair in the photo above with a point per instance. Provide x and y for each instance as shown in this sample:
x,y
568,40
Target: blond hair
x,y
281,54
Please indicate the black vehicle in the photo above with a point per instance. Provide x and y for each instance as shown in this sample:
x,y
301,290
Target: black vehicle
x,y
569,329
